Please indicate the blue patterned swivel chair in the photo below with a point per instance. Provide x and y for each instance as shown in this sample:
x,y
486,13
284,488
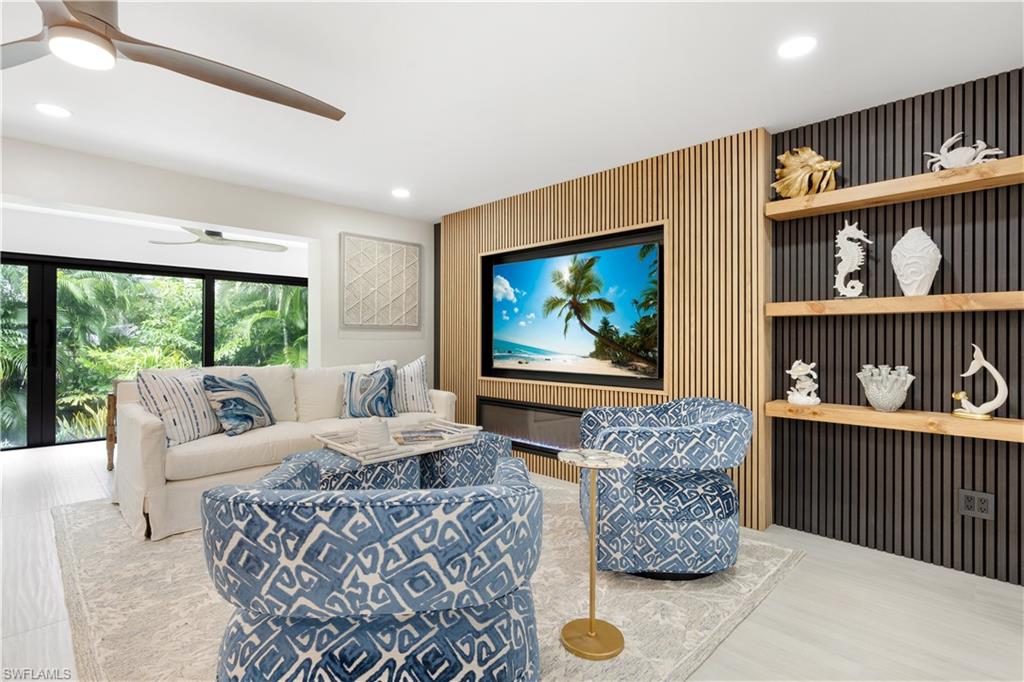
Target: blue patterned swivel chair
x,y
672,512
335,584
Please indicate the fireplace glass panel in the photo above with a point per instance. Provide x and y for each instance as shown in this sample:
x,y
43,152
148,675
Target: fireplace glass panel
x,y
532,427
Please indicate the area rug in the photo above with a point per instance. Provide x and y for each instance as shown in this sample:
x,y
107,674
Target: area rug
x,y
147,610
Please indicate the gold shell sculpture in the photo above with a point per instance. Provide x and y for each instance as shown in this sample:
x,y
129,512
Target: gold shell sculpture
x,y
804,171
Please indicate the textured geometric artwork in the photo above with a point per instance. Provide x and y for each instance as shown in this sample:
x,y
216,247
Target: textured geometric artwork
x,y
380,283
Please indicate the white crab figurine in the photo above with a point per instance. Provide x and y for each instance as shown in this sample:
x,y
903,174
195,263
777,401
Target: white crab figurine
x,y
961,157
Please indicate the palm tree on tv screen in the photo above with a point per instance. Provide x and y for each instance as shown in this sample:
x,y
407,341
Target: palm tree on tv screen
x,y
580,287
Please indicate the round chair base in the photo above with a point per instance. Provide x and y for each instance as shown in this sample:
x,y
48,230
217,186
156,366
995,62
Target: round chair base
x,y
652,575
605,643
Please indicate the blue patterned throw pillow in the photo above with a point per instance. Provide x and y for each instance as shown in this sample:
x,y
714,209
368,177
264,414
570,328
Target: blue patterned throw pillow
x,y
238,403
369,395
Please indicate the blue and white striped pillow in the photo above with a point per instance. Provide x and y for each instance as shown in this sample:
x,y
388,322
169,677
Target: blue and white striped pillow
x,y
412,392
239,403
370,395
180,402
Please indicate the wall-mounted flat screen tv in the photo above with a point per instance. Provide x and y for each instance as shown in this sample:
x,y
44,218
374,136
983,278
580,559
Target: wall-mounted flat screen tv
x,y
585,311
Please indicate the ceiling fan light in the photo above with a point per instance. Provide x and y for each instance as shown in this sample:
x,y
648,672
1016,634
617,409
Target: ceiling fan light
x,y
82,48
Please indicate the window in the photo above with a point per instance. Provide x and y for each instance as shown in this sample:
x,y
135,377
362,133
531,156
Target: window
x,y
109,326
13,355
258,323
71,327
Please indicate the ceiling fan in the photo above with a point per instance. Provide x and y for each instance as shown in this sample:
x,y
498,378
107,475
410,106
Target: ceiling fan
x,y
85,33
215,238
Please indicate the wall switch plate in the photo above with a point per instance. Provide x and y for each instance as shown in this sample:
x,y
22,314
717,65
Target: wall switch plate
x,y
978,505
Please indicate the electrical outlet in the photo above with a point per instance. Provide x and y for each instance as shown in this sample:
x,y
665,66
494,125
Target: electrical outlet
x,y
978,505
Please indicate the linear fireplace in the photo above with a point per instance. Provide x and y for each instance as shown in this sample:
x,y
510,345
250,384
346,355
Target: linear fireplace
x,y
540,429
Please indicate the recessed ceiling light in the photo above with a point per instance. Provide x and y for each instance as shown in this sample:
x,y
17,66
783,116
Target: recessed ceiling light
x,y
81,48
797,47
52,110
400,193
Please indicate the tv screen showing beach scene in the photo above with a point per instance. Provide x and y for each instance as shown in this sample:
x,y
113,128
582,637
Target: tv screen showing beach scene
x,y
592,312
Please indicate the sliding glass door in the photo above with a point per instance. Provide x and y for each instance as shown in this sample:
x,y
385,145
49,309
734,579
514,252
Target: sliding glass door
x,y
71,328
14,355
109,326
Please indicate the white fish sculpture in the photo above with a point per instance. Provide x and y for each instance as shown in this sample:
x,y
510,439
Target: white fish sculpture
x,y
984,411
802,393
961,157
851,256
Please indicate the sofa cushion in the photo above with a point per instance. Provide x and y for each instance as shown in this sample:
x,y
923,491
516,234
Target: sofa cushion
x,y
676,495
220,453
347,423
320,392
276,382
180,402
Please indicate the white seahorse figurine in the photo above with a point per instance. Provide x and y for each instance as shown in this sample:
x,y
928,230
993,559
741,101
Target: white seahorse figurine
x,y
851,257
985,410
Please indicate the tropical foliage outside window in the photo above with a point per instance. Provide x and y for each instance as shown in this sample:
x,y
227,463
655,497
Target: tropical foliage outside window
x,y
257,323
110,325
13,354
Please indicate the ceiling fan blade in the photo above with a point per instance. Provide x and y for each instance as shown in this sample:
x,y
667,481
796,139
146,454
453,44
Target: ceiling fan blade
x,y
55,13
25,50
256,246
153,241
221,75
196,232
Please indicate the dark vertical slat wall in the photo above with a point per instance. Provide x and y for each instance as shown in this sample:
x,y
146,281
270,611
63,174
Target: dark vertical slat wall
x,y
891,490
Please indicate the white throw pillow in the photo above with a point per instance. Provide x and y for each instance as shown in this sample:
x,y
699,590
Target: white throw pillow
x,y
412,392
179,401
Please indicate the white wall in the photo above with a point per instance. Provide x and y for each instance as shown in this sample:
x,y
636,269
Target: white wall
x,y
58,178
103,238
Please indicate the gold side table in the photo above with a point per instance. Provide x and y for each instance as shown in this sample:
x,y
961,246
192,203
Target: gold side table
x,y
591,637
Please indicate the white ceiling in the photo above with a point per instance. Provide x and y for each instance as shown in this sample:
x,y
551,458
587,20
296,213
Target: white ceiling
x,y
467,103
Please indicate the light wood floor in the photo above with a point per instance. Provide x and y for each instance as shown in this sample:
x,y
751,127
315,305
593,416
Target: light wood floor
x,y
844,613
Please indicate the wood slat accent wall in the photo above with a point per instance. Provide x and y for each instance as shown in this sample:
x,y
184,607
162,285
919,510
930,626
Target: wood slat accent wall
x,y
710,200
889,490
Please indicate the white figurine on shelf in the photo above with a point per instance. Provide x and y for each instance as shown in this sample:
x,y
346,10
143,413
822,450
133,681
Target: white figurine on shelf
x,y
961,157
802,393
851,256
984,411
915,260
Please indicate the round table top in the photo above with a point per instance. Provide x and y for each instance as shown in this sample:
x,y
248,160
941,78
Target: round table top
x,y
589,458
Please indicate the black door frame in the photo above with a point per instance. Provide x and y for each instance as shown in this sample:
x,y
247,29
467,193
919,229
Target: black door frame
x,y
41,389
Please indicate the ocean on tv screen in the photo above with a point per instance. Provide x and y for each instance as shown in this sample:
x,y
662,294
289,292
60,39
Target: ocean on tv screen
x,y
594,312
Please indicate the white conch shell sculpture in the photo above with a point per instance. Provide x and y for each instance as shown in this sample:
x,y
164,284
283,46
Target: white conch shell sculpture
x,y
803,392
885,389
851,257
985,410
916,258
804,171
961,157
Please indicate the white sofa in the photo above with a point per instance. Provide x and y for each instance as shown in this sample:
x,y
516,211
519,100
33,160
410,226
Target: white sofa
x,y
159,488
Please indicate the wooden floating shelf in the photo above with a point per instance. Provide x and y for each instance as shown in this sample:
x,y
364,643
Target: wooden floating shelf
x,y
999,173
942,423
939,303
